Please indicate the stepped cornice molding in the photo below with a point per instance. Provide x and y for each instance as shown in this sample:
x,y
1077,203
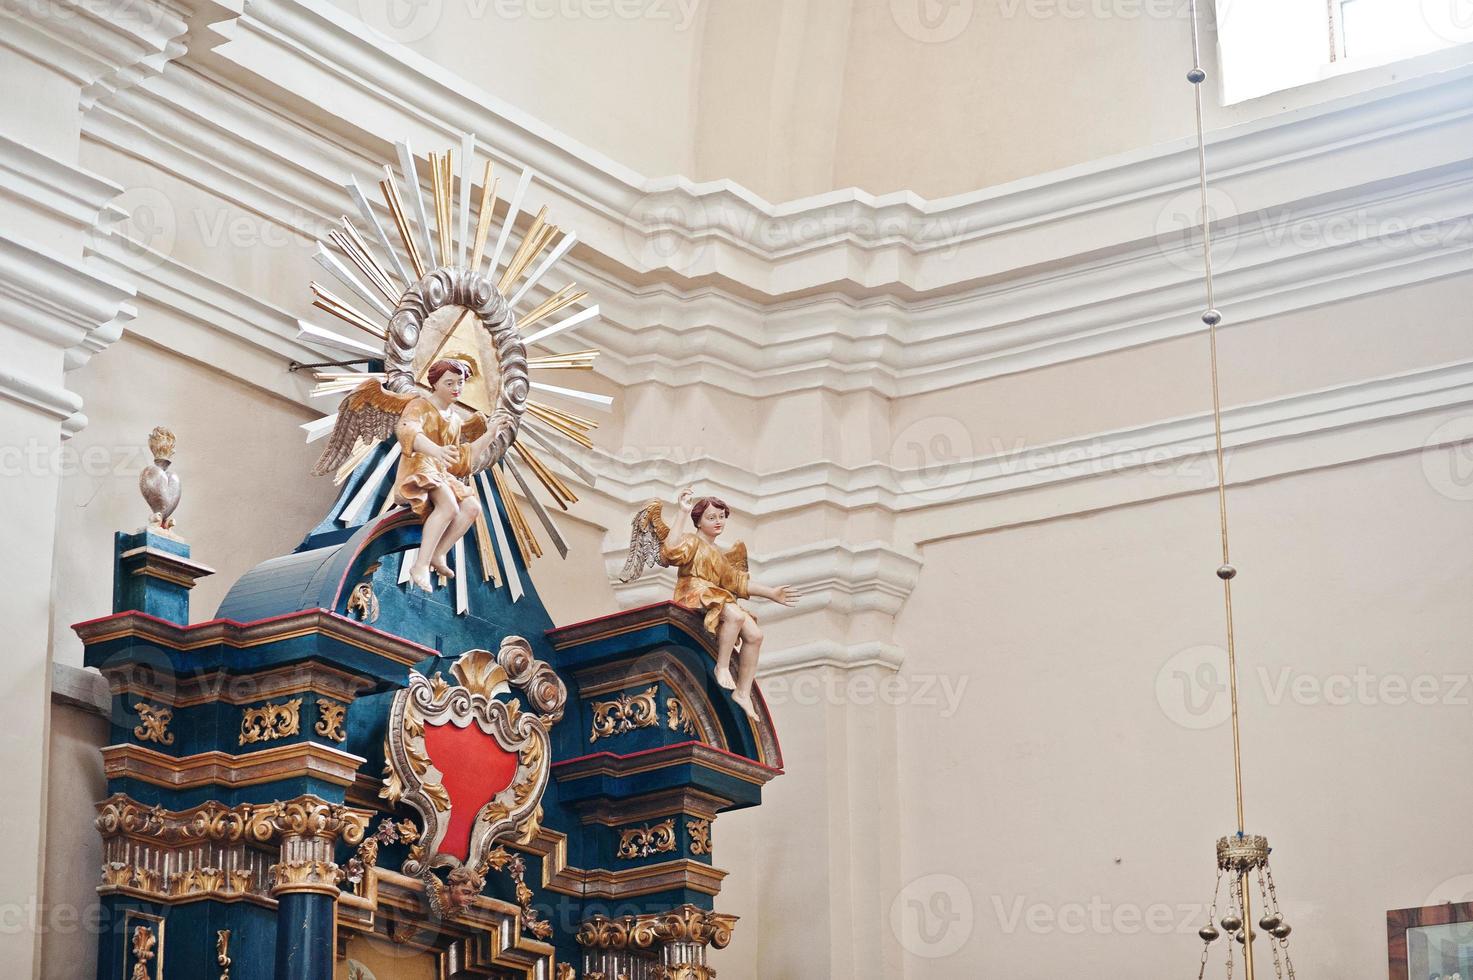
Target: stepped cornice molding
x,y
836,576
1170,457
106,47
63,192
847,240
68,303
1324,241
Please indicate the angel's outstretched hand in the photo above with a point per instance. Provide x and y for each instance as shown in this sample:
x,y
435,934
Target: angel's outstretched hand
x,y
785,594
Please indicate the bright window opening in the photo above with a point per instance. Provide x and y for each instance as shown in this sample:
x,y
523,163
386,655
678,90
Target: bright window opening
x,y
1271,45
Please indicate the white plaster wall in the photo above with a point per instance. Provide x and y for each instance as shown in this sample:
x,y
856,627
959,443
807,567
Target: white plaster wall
x,y
797,97
74,849
247,493
1068,784
1029,750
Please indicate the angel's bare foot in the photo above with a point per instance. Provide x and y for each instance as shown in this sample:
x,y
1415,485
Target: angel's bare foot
x,y
442,569
419,574
724,678
745,700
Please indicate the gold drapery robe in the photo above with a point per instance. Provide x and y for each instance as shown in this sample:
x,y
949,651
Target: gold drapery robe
x,y
420,474
709,578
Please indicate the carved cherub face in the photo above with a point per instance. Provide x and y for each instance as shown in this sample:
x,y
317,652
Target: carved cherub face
x,y
461,889
450,385
713,521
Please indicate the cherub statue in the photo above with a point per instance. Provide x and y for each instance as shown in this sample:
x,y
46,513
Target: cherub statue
x,y
709,579
440,453
457,893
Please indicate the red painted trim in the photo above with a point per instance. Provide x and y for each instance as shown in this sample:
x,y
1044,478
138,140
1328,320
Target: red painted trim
x,y
556,630
385,524
237,624
605,754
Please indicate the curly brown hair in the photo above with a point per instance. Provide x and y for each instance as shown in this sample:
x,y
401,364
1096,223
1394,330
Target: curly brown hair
x,y
705,503
438,369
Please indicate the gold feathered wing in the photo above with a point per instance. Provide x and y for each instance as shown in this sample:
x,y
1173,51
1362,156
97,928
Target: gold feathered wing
x,y
736,556
647,532
367,415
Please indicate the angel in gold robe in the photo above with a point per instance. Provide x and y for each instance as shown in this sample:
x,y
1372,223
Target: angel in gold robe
x,y
439,453
709,580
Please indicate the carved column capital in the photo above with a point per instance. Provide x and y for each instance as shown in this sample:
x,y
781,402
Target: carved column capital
x,y
678,938
308,817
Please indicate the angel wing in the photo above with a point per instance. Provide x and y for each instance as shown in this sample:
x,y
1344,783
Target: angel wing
x,y
367,415
736,556
646,533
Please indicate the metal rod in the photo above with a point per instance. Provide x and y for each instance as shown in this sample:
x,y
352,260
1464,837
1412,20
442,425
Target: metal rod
x,y
1212,318
294,366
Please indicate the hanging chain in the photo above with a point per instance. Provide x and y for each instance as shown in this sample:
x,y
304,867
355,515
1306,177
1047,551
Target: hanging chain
x,y
1270,909
1211,925
1273,897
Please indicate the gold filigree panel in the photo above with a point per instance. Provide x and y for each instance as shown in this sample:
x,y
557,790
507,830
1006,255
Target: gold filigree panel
x,y
646,841
270,722
625,713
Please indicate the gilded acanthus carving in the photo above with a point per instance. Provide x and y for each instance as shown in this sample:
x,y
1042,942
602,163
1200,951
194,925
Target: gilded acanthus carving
x,y
144,942
270,722
625,713
679,936
192,883
222,952
366,859
363,602
330,721
259,822
685,971
642,842
208,881
314,874
679,718
700,836
153,723
686,924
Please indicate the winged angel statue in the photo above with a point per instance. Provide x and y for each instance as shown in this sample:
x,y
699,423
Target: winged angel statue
x,y
709,580
440,451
